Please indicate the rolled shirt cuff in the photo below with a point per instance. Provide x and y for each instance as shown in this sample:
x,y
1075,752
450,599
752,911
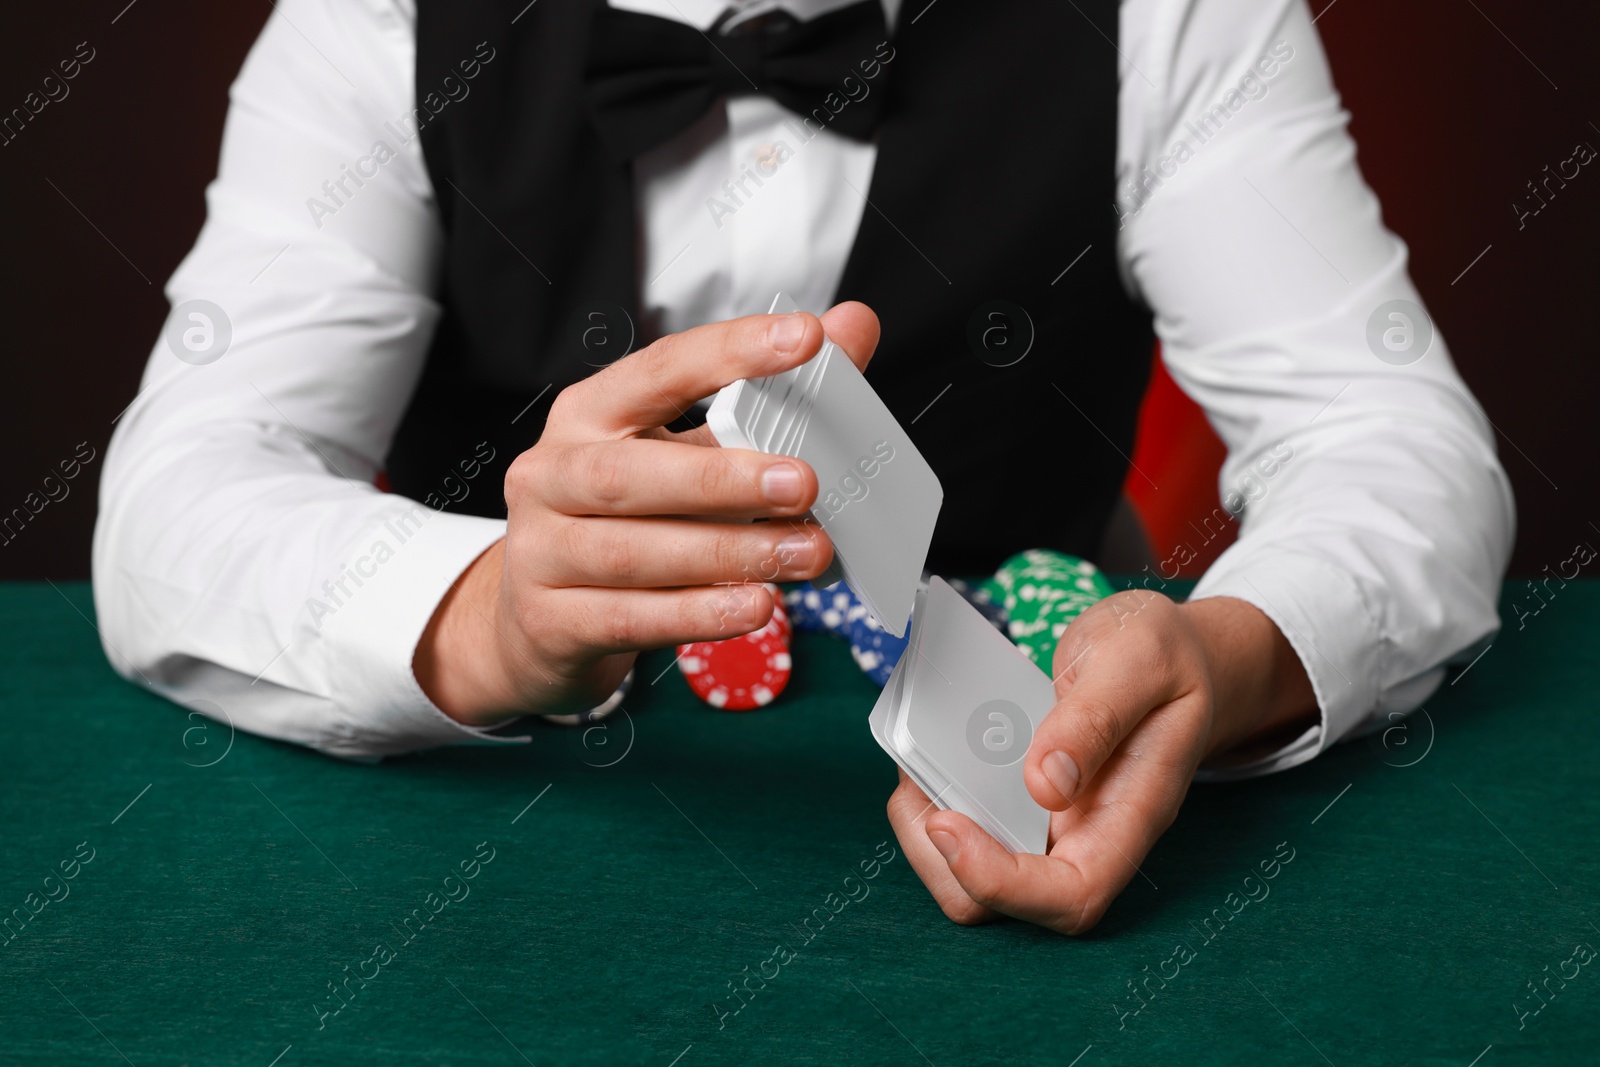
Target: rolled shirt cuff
x,y
1333,629
405,567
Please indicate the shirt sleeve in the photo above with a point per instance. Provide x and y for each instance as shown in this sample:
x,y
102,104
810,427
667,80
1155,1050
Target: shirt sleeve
x,y
244,563
1375,520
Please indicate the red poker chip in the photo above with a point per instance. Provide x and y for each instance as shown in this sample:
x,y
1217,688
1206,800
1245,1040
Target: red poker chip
x,y
741,673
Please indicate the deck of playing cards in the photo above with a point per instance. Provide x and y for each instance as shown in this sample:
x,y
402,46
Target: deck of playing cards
x,y
959,713
877,497
961,707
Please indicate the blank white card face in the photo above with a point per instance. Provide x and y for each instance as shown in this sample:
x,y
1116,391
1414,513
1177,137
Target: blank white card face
x,y
959,713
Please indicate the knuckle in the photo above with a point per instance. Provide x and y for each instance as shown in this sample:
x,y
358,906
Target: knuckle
x,y
606,473
520,478
610,626
567,404
612,555
1079,917
964,911
1096,724
985,886
735,557
652,363
568,549
901,801
711,480
1150,646
663,350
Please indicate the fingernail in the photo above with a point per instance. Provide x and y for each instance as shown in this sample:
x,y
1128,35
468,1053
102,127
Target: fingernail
x,y
1061,772
786,334
946,843
797,550
782,483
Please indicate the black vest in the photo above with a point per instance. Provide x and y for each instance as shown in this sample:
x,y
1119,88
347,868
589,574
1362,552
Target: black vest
x,y
995,170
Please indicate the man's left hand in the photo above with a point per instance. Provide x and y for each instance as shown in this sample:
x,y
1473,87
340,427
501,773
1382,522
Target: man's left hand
x,y
1145,690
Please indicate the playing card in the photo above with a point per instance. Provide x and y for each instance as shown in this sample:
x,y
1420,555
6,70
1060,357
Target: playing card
x,y
963,715
886,713
878,721
878,498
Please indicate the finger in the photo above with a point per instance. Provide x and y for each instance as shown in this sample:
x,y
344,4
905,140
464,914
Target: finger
x,y
854,328
604,621
659,383
1115,687
645,477
909,809
644,553
851,325
1038,889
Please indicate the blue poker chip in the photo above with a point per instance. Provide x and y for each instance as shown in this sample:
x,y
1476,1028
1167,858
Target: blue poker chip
x,y
813,610
837,610
804,604
875,650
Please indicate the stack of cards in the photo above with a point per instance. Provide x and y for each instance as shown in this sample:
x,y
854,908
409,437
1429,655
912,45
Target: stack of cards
x,y
878,498
961,707
959,713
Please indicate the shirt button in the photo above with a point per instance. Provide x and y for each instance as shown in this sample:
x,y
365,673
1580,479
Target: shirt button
x,y
766,155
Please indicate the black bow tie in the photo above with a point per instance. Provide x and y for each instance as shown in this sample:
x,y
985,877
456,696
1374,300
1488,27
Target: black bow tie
x,y
650,78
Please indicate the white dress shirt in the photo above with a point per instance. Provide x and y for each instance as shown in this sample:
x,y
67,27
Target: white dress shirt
x,y
235,489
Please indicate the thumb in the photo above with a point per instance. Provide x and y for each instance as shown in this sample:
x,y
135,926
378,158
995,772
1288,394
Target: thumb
x,y
854,328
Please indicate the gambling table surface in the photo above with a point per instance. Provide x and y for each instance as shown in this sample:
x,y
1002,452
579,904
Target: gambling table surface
x,y
689,886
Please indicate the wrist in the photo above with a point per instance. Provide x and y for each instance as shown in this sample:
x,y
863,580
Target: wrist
x,y
459,660
1259,686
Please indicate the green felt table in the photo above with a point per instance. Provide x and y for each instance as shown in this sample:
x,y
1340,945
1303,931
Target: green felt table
x,y
1434,875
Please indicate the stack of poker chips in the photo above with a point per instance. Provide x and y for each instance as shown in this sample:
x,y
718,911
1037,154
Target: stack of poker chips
x,y
1042,591
837,610
1031,599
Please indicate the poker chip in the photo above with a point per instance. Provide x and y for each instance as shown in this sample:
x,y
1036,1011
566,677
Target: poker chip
x,y
1042,591
838,611
741,673
875,650
803,603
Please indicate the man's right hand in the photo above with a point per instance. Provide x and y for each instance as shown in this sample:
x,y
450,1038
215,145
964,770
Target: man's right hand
x,y
624,536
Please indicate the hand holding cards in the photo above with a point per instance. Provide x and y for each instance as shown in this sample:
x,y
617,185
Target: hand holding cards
x,y
958,714
878,498
961,707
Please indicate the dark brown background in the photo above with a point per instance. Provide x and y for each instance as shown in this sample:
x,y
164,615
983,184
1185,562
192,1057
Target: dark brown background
x,y
1452,114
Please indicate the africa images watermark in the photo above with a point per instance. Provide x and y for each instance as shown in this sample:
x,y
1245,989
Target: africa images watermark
x,y
782,954
52,89
1134,193
1248,488
1256,889
54,488
400,528
1565,171
342,995
336,191
1582,954
33,904
1583,554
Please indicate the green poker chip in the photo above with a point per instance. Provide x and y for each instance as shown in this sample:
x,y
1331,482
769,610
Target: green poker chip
x,y
1042,592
